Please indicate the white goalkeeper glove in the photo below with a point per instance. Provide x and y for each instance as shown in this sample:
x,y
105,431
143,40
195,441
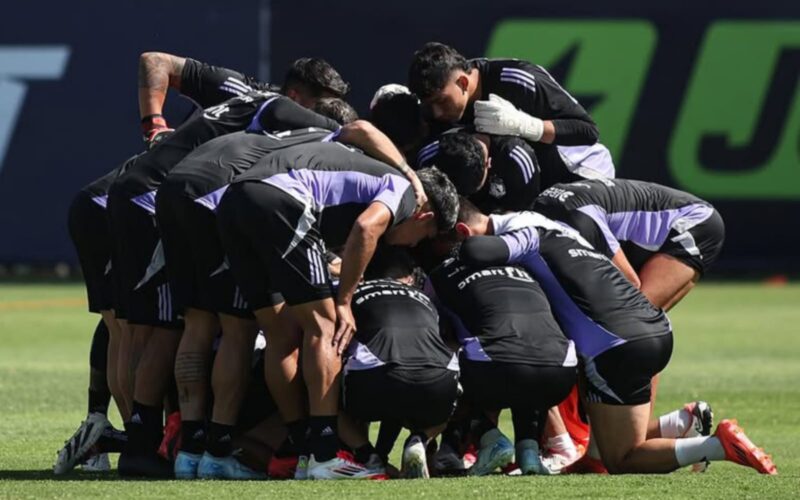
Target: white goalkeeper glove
x,y
499,117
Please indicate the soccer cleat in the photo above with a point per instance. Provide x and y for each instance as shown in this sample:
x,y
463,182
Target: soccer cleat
x,y
446,462
301,472
529,459
702,419
211,467
186,465
76,447
739,449
342,466
415,463
496,451
171,443
97,463
282,467
702,422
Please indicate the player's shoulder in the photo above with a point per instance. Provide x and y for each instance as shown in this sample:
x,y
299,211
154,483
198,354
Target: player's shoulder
x,y
513,73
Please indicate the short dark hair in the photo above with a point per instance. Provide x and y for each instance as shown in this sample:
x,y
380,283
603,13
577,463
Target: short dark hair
x,y
336,109
399,116
467,211
460,156
431,68
317,75
389,262
442,197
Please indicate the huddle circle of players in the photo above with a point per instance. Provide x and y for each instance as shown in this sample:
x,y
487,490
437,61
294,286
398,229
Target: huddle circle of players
x,y
274,274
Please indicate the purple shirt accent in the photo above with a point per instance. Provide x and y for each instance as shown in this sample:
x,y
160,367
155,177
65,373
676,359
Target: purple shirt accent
x,y
331,188
361,358
211,200
101,200
648,230
255,125
146,201
588,161
590,338
521,243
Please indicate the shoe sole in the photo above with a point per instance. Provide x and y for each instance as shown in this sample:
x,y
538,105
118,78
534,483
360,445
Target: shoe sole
x,y
500,460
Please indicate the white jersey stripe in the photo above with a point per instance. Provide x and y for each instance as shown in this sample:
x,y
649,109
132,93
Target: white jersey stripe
x,y
518,81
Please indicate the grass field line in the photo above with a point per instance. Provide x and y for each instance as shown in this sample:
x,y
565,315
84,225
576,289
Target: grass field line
x,y
20,305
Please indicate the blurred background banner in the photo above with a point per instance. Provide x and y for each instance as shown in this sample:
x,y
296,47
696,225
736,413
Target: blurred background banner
x,y
702,96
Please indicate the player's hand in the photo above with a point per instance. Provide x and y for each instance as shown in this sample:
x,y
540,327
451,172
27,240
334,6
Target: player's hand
x,y
499,117
155,136
345,327
419,191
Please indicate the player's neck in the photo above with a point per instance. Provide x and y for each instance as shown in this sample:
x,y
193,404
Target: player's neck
x,y
474,87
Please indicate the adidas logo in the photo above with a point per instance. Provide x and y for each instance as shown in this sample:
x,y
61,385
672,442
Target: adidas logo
x,y
136,419
327,431
199,434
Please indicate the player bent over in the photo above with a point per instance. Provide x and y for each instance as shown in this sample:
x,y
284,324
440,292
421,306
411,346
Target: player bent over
x,y
398,368
621,337
275,228
513,355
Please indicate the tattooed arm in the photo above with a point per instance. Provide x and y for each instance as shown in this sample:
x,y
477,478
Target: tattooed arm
x,y
158,72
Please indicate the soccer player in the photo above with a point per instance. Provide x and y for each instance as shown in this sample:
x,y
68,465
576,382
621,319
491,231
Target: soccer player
x,y
509,97
398,368
275,222
662,239
144,293
306,82
513,355
204,290
88,228
622,338
497,173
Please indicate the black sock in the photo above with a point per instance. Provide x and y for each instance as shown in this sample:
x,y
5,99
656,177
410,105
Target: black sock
x,y
193,436
324,439
112,441
145,430
297,440
362,453
99,400
220,438
387,435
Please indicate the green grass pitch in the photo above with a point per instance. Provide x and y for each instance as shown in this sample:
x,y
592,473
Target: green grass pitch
x,y
736,345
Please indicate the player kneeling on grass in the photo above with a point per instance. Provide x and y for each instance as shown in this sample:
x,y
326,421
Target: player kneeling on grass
x,y
398,367
514,355
621,337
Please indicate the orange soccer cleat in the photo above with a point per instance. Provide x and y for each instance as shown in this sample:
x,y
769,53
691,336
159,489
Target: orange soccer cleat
x,y
739,449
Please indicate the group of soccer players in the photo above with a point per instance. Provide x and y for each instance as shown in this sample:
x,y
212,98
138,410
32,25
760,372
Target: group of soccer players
x,y
274,274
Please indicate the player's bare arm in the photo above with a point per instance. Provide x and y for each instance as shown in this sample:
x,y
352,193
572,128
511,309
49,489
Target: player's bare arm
x,y
358,251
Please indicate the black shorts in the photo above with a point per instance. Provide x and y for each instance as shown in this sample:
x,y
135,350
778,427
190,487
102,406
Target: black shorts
x,y
199,274
491,385
622,375
88,228
699,246
418,399
142,287
273,245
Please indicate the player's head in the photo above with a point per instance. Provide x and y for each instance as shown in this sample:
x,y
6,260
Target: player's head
x,y
439,76
399,116
471,221
310,78
336,109
464,159
437,215
390,262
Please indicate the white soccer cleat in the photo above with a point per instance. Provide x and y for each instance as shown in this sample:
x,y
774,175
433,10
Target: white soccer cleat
x,y
97,463
342,466
81,442
415,460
